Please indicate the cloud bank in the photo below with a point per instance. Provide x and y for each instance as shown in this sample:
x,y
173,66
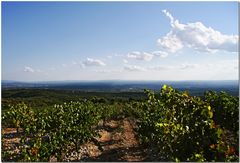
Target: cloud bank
x,y
196,36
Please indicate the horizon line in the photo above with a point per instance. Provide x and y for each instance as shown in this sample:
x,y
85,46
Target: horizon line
x,y
118,80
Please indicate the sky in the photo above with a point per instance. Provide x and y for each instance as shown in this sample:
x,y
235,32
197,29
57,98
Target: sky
x,y
49,41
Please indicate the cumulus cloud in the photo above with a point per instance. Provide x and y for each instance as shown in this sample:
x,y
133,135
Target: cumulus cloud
x,y
133,68
140,56
168,15
93,62
28,69
197,36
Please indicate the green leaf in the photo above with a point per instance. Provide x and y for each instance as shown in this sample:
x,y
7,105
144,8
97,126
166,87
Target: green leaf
x,y
164,87
210,114
27,130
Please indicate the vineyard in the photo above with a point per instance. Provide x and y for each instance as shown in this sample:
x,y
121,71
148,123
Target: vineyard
x,y
168,125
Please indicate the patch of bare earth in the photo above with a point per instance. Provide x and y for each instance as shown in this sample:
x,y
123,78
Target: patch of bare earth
x,y
10,142
117,141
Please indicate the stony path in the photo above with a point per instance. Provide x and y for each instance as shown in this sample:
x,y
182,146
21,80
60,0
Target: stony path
x,y
117,140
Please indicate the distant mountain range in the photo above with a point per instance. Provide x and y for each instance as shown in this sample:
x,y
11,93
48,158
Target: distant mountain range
x,y
194,87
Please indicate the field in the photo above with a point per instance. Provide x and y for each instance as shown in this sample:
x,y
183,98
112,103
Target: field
x,y
85,125
120,81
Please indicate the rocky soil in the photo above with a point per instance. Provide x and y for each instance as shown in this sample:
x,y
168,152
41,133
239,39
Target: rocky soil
x,y
117,139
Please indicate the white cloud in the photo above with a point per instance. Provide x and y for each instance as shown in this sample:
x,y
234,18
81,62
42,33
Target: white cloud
x,y
133,68
140,56
93,62
168,15
170,43
160,54
196,36
28,69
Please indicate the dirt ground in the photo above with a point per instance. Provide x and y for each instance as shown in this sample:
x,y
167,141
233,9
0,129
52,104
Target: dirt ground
x,y
119,143
117,139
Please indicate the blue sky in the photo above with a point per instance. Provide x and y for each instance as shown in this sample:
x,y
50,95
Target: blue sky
x,y
119,40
